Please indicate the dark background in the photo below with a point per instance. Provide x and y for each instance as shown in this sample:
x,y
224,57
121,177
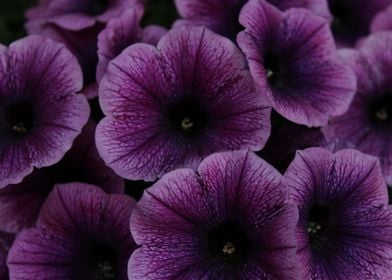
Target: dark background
x,y
12,19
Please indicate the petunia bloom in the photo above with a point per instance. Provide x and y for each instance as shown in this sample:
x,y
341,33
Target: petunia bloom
x,y
171,106
351,19
292,57
76,15
82,233
367,125
80,164
345,225
122,32
230,220
40,112
221,16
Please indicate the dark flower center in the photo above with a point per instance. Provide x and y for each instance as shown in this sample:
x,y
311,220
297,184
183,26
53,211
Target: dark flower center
x,y
19,118
98,7
229,242
381,110
103,263
317,226
274,69
187,116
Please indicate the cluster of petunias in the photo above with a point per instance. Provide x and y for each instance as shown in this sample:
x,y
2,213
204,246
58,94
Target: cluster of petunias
x,y
261,129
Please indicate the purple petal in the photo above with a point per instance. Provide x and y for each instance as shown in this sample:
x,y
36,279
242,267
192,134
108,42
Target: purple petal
x,y
118,34
347,176
77,15
34,255
69,200
382,21
83,45
152,34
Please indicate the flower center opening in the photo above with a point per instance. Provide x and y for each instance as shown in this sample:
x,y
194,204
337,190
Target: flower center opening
x,y
317,226
19,118
381,110
104,262
274,69
229,242
98,7
187,116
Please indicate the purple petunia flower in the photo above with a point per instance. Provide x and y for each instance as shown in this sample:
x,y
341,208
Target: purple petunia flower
x,y
351,19
367,124
171,106
230,220
80,164
76,15
6,240
345,226
40,114
382,21
122,32
82,233
221,16
292,57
